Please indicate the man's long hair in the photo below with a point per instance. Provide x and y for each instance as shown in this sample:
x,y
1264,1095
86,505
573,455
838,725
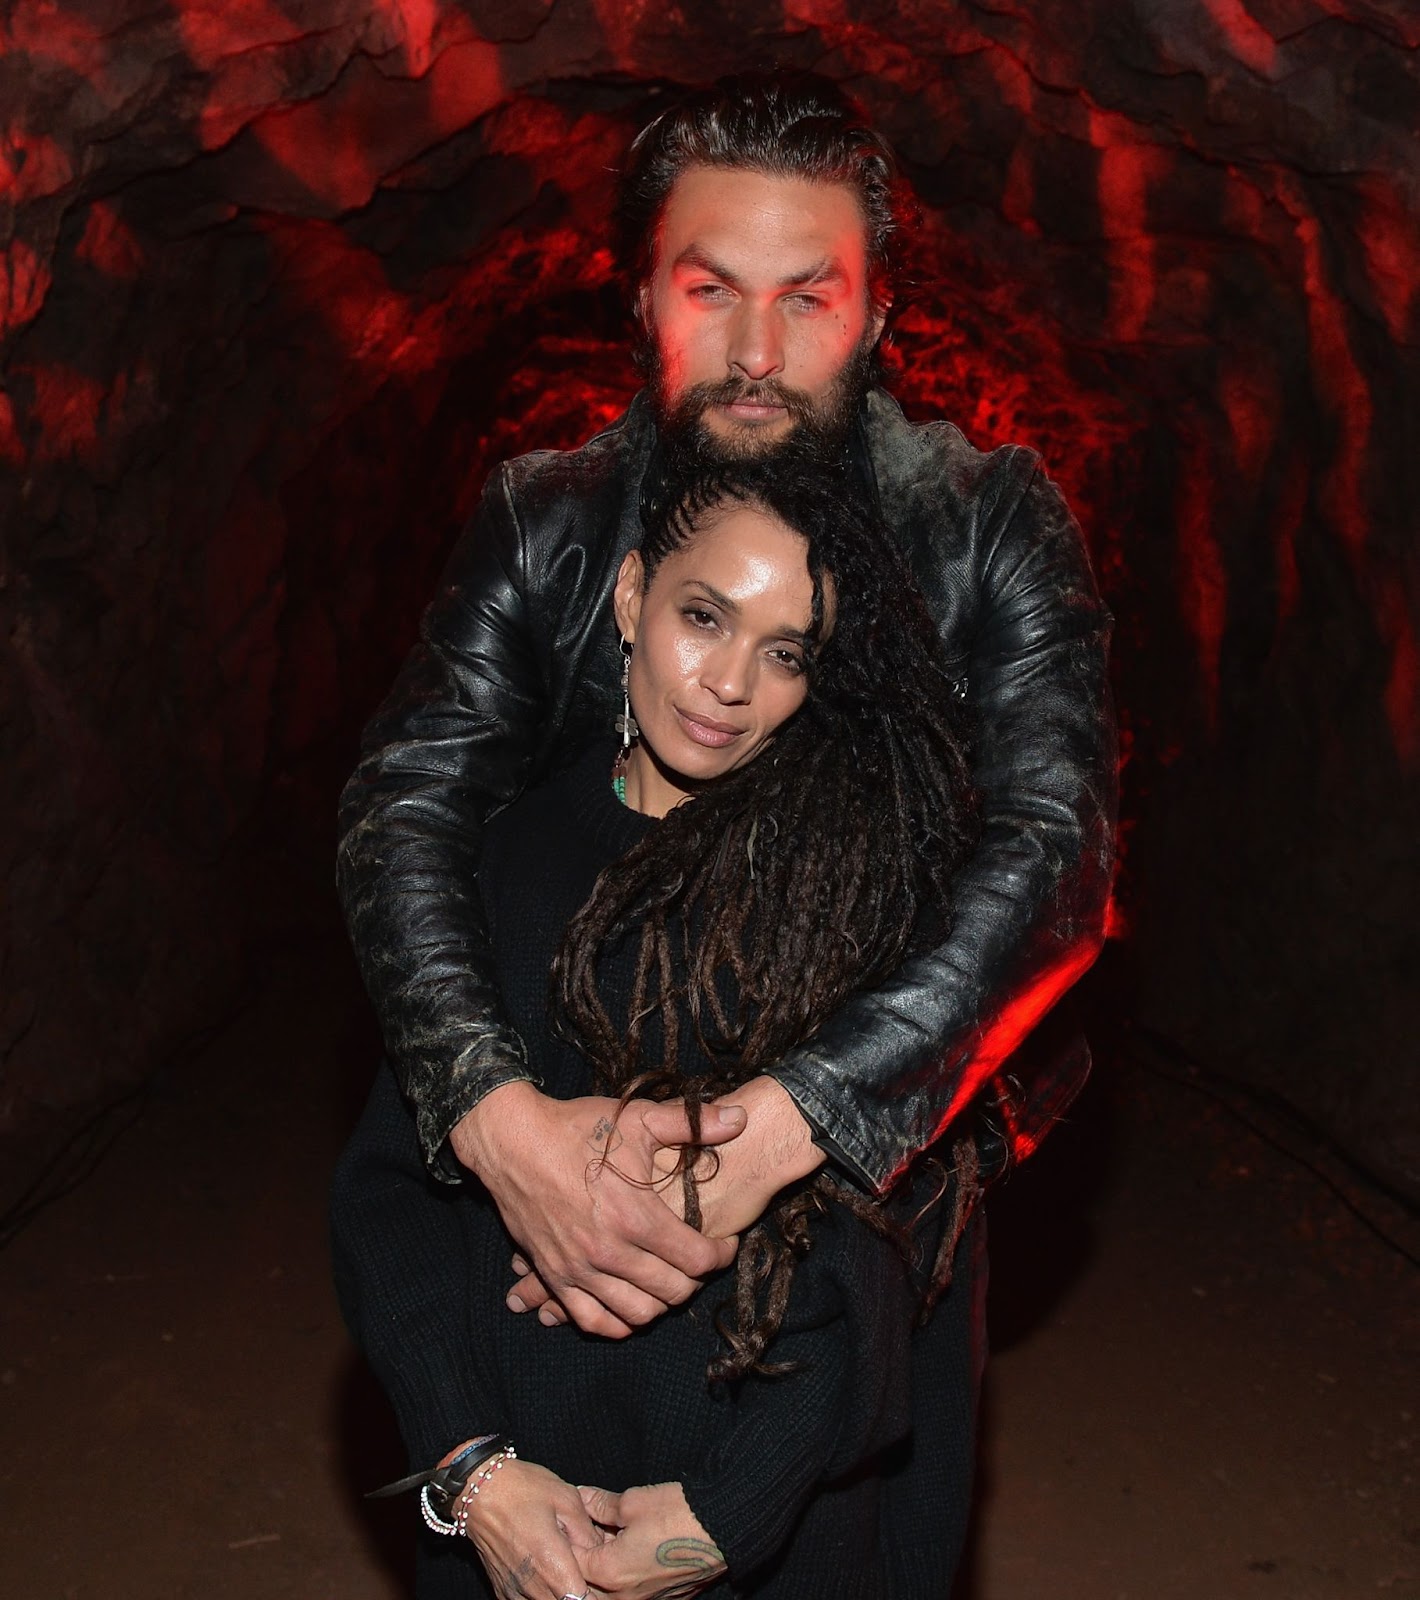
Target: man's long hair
x,y
789,124
781,888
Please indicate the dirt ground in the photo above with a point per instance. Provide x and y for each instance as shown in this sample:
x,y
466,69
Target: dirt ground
x,y
1203,1384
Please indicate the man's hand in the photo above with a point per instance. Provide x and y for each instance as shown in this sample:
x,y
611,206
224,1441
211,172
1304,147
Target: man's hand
x,y
775,1149
612,1253
658,1548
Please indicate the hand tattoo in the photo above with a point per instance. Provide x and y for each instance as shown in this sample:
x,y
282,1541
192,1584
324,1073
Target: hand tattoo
x,y
513,1585
689,1555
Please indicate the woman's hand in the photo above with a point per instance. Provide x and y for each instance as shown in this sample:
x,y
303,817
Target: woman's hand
x,y
658,1548
532,1532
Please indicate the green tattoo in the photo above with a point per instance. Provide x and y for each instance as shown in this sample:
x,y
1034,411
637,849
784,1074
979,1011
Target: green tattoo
x,y
692,1555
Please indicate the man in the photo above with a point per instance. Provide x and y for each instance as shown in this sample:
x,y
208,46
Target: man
x,y
758,224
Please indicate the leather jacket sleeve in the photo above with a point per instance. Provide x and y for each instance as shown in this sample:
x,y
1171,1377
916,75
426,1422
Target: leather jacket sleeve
x,y
887,1073
451,744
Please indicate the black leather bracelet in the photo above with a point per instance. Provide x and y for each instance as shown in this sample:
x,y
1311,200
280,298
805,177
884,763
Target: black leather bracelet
x,y
445,1484
449,1482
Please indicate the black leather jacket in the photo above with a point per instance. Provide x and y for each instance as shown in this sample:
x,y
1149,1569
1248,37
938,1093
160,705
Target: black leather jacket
x,y
517,665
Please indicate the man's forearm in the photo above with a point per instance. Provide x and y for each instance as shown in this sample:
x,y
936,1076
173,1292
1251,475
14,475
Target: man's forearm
x,y
452,742
887,1074
408,886
776,1149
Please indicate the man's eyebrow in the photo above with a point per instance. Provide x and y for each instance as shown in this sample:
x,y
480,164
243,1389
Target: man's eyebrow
x,y
797,635
698,259
695,258
829,270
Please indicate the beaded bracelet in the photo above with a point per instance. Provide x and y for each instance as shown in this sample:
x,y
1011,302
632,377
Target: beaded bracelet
x,y
459,1522
432,1519
465,1501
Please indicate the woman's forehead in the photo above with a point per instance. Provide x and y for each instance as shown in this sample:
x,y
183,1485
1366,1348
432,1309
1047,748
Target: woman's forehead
x,y
747,554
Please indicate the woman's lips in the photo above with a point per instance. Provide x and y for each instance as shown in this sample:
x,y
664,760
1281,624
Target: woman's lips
x,y
706,731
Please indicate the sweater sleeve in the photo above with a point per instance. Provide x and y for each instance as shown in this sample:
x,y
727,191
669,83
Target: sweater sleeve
x,y
848,1329
402,1276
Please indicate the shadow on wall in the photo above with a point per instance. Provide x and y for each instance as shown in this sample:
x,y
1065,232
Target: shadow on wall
x,y
282,284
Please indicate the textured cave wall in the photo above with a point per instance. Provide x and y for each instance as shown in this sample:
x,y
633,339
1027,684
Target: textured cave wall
x,y
282,278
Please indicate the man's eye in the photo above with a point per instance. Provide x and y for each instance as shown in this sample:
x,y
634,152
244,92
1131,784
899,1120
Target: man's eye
x,y
708,291
806,302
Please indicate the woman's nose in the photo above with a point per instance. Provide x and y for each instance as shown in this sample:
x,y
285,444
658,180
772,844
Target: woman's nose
x,y
729,675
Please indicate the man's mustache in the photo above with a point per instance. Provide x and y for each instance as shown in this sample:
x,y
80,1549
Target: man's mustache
x,y
734,391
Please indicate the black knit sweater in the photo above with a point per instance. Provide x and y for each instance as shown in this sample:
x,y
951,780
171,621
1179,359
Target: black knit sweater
x,y
811,1483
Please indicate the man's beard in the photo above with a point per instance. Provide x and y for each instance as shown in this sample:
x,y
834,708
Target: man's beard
x,y
820,427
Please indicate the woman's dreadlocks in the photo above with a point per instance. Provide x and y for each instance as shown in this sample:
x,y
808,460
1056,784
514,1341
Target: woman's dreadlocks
x,y
781,888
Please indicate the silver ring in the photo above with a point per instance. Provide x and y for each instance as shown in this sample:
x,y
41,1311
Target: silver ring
x,y
585,1595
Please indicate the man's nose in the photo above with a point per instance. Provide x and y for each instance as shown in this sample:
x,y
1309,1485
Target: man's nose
x,y
756,342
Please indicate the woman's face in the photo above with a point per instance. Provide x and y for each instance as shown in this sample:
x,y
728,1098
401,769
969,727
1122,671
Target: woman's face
x,y
719,643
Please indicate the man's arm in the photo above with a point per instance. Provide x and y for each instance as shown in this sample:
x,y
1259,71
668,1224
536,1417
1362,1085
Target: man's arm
x,y
453,741
894,1066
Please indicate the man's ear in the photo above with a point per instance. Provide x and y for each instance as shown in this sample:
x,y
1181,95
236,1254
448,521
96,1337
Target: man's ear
x,y
626,596
880,316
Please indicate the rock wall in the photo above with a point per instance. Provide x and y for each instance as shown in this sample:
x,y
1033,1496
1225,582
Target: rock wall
x,y
282,278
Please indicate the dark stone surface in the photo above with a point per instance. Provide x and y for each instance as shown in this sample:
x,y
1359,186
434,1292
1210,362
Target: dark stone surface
x,y
281,280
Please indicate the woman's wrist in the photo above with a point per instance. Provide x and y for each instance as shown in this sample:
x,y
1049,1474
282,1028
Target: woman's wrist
x,y
480,1480
459,1469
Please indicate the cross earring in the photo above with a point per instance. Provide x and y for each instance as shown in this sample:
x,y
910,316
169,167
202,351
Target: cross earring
x,y
625,722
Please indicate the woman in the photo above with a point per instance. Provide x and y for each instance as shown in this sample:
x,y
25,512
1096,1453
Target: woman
x,y
775,827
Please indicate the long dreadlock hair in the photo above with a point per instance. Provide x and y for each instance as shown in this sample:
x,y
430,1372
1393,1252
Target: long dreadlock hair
x,y
782,887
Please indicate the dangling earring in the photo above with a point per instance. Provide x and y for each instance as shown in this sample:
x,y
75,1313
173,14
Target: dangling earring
x,y
625,722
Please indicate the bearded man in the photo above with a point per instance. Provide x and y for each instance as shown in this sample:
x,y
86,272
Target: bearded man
x,y
759,224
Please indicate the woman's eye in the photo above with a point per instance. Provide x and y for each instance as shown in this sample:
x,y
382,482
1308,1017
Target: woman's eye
x,y
787,658
700,617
